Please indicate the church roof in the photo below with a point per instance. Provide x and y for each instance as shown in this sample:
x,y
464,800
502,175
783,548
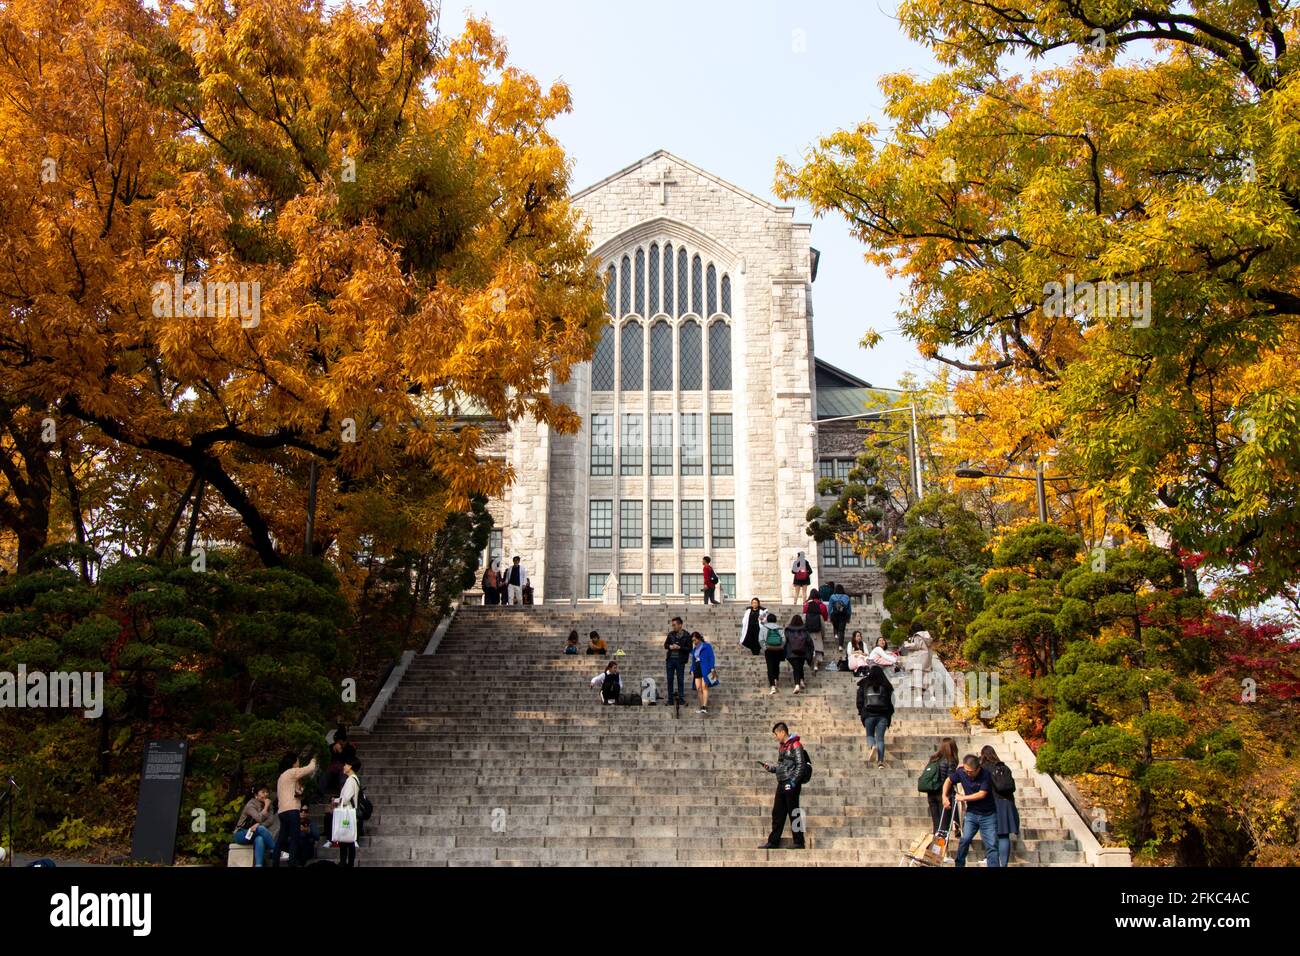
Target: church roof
x,y
841,394
664,154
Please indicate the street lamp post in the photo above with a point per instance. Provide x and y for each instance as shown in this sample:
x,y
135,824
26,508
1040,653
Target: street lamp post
x,y
1039,480
913,443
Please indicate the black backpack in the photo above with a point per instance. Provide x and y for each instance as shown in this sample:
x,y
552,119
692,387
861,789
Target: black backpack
x,y
814,623
365,809
876,696
807,767
1004,784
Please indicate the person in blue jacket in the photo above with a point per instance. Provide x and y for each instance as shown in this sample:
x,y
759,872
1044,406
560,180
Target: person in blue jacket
x,y
703,668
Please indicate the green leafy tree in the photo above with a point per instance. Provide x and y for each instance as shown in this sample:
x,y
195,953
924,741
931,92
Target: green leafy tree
x,y
1124,686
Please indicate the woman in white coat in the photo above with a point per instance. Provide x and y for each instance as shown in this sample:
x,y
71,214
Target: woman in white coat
x,y
350,796
751,624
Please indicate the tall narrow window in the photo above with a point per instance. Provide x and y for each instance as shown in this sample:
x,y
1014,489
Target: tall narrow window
x,y
668,278
682,290
602,366
661,357
661,444
720,357
629,524
661,524
711,289
495,545
600,525
693,524
720,453
692,359
602,445
724,524
692,444
632,445
654,278
639,300
726,295
697,286
624,287
611,292
633,357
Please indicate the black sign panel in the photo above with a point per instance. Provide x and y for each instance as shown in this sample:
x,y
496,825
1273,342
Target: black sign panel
x,y
156,814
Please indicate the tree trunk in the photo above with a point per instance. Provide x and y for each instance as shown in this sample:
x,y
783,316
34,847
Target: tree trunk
x,y
74,505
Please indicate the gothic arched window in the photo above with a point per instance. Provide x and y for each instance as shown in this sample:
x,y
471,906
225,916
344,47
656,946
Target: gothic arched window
x,y
697,287
726,295
661,357
681,283
668,278
692,358
639,302
633,356
720,357
711,290
602,366
654,278
611,291
624,288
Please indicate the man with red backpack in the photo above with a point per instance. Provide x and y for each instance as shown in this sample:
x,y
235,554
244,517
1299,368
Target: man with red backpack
x,y
793,769
710,582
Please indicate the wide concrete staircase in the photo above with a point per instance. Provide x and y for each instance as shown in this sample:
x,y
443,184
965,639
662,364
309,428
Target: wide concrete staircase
x,y
495,751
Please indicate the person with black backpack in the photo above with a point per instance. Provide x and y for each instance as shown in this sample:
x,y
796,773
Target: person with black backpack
x,y
938,769
1004,795
876,710
798,646
793,769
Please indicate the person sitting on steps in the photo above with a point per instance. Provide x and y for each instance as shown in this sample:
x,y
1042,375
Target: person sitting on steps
x,y
571,645
596,645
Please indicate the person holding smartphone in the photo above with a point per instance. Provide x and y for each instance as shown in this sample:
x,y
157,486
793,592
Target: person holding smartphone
x,y
789,771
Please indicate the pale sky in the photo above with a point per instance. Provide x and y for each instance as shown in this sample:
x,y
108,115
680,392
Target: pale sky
x,y
721,84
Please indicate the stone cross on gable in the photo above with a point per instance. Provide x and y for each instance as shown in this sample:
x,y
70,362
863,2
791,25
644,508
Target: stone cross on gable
x,y
663,182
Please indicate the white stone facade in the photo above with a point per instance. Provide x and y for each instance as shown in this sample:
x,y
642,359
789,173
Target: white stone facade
x,y
762,255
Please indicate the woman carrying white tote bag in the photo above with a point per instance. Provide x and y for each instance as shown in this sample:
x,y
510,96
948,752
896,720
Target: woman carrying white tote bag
x,y
343,830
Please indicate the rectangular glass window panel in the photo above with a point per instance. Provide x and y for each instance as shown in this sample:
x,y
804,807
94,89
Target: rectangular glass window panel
x,y
632,444
661,524
830,554
661,444
693,584
661,584
596,585
848,559
693,524
629,585
602,445
724,524
629,524
692,444
600,524
721,458
842,468
825,469
496,545
728,584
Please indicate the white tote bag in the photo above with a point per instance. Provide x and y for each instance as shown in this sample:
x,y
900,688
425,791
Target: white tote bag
x,y
344,827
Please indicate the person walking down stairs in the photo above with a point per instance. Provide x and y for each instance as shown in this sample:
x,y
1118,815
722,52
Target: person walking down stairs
x,y
703,669
678,646
981,809
516,577
773,638
797,648
751,622
792,770
1004,799
876,710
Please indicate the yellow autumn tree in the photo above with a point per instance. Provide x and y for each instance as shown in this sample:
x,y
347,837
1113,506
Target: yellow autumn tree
x,y
249,240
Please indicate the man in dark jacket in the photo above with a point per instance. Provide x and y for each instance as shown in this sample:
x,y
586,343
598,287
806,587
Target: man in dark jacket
x,y
789,771
678,646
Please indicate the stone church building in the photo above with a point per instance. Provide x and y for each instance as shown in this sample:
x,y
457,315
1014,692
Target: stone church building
x,y
700,408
